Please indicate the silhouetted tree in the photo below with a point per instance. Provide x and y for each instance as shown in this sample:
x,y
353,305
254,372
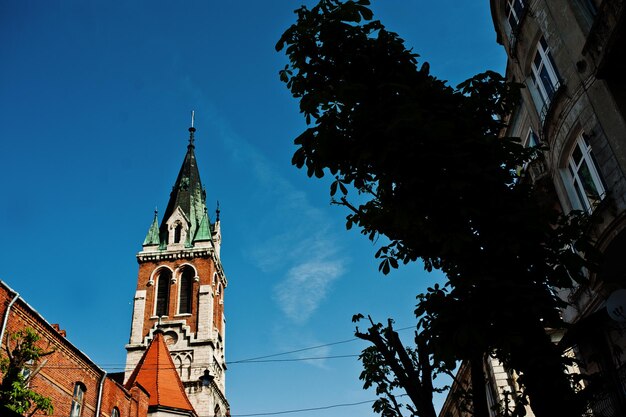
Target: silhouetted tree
x,y
434,176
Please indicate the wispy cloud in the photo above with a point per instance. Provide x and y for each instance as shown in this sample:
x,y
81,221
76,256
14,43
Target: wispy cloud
x,y
306,285
300,250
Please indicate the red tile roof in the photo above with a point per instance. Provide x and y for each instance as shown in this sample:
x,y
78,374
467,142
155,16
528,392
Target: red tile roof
x,y
157,374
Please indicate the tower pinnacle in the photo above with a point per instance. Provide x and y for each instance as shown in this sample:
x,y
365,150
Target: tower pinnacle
x,y
178,309
192,130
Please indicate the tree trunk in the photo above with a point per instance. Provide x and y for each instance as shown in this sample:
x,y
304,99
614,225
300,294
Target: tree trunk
x,y
543,375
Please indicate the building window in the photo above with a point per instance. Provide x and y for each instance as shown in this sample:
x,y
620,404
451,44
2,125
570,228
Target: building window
x,y
585,183
531,141
26,371
115,412
163,292
587,11
178,231
514,10
589,7
544,74
186,285
77,400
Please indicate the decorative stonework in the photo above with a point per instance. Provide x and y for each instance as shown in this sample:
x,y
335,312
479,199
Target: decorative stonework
x,y
178,226
193,329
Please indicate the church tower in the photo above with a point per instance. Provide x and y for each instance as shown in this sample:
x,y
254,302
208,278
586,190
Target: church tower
x,y
180,292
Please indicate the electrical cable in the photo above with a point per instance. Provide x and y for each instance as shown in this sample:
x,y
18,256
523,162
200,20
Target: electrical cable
x,y
301,410
257,359
304,349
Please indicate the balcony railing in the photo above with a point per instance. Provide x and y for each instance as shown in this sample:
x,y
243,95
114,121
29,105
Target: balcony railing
x,y
612,401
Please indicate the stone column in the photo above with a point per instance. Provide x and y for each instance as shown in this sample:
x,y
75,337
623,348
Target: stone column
x,y
205,313
139,309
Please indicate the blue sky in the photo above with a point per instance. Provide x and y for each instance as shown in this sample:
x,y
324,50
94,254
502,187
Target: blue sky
x,y
95,101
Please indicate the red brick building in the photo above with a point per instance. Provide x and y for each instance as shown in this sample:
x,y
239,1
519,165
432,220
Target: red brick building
x,y
76,385
175,362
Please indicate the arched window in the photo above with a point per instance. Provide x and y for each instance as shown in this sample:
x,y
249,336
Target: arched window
x,y
186,285
217,412
178,231
77,400
163,292
178,362
115,412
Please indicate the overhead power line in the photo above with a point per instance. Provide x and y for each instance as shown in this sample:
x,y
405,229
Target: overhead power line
x,y
302,410
257,359
298,410
292,351
205,365
305,349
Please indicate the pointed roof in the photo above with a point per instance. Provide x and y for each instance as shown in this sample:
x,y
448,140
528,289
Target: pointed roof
x,y
157,374
187,192
152,238
204,229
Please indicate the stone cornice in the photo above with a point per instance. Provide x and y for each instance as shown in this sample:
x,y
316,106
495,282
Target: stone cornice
x,y
189,253
159,255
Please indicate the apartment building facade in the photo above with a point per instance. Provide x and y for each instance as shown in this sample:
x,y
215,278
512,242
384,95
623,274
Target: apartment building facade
x,y
568,56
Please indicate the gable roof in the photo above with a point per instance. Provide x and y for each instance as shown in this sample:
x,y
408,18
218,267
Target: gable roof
x,y
157,374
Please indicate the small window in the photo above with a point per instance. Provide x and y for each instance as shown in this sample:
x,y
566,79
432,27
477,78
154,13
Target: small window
x,y
585,184
178,231
531,141
589,7
186,286
514,10
77,400
26,371
544,74
115,412
163,292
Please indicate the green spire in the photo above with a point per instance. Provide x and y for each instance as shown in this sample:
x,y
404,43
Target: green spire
x,y
187,193
152,238
204,229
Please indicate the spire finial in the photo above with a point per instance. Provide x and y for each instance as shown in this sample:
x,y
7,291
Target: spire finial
x,y
192,129
156,211
217,212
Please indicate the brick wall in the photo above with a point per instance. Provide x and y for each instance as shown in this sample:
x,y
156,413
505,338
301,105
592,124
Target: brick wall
x,y
61,370
205,269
